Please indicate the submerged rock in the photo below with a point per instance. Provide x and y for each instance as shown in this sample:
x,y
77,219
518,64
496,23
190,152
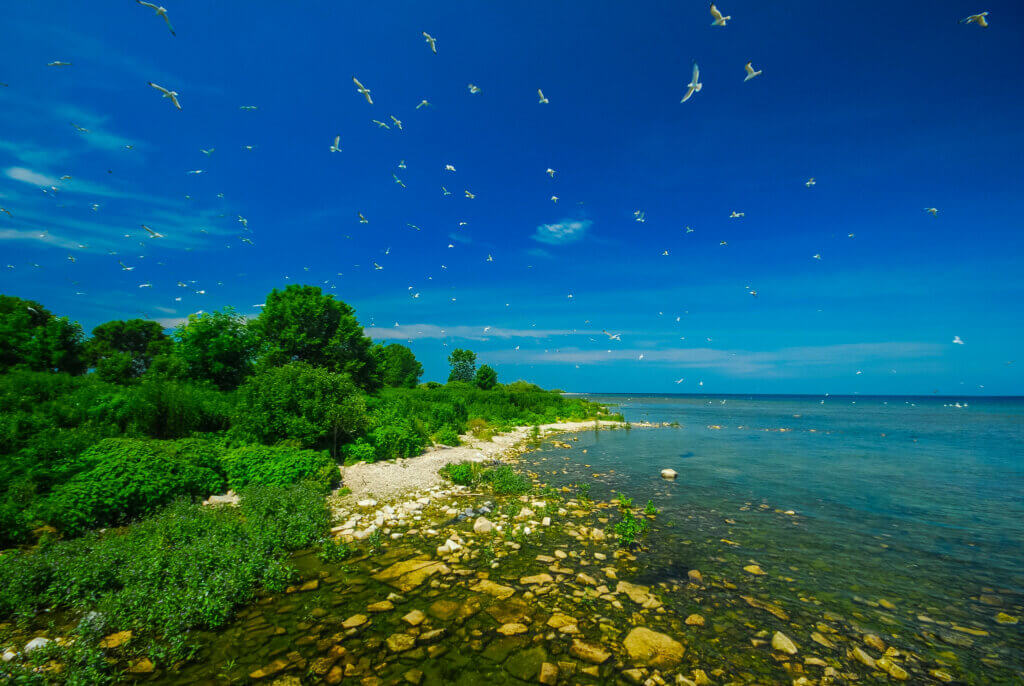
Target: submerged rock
x,y
652,648
482,525
409,574
783,643
588,652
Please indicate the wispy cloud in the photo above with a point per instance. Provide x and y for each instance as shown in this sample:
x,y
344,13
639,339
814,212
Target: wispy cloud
x,y
565,231
475,333
37,236
29,176
785,362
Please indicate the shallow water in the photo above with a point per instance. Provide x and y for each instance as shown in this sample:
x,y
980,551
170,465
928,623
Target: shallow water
x,y
879,525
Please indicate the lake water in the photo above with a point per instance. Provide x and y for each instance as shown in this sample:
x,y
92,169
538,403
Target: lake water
x,y
910,500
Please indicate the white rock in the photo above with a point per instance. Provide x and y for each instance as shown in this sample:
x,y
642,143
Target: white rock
x,y
524,513
669,474
38,642
482,525
369,502
8,655
395,536
443,549
546,521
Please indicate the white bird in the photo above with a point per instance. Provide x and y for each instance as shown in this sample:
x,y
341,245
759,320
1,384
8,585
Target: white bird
x,y
71,258
160,11
473,89
398,180
816,255
58,63
810,182
542,100
445,191
151,232
490,258
934,211
750,72
680,380
737,215
243,221
397,121
612,336
433,43
723,242
362,89
554,198
689,230
173,95
377,266
124,266
550,172
449,167
423,103
695,85
640,216
248,108
362,219
8,212
978,19
381,124
401,164
196,171
335,146
469,195
207,152
719,20
80,129
145,285
957,340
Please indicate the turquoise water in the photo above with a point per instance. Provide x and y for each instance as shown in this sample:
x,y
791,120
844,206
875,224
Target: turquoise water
x,y
903,499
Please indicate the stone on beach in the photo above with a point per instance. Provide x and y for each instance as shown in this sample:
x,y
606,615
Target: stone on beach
x,y
482,525
783,643
652,648
669,474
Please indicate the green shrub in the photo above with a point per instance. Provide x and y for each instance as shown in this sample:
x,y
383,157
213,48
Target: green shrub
x,y
462,473
625,502
584,491
446,435
393,441
334,551
650,509
481,429
357,451
629,529
318,408
131,477
506,481
278,466
286,517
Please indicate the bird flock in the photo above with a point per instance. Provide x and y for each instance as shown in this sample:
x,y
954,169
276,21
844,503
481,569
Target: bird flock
x,y
390,122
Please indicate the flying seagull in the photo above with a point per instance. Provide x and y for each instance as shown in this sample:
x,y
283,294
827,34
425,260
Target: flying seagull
x,y
473,89
550,172
249,108
470,195
335,146
160,11
751,73
957,340
80,129
737,215
542,100
362,89
810,182
381,124
207,152
151,232
695,85
934,211
173,95
125,266
978,19
449,167
398,122
719,20
58,63
430,39
362,219
423,103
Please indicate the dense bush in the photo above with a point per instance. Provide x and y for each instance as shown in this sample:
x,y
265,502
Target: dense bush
x,y
278,466
486,378
187,567
358,451
33,338
122,350
126,478
502,479
397,365
218,347
308,404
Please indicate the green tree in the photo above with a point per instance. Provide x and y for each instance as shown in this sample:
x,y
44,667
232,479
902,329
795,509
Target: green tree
x,y
302,324
31,337
122,350
486,377
398,365
463,364
217,347
313,406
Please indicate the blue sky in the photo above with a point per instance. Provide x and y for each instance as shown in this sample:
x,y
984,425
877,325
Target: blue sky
x,y
891,108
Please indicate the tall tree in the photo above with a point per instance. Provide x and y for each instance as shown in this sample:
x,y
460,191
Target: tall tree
x,y
463,364
486,377
122,350
302,324
398,365
31,337
216,346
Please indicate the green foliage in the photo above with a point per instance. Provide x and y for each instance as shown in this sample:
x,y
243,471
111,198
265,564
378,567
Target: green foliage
x,y
486,377
625,502
584,491
505,481
398,367
303,324
186,568
463,365
446,435
462,473
481,429
357,451
122,350
629,529
33,338
126,478
332,550
375,542
278,466
216,346
311,405
650,509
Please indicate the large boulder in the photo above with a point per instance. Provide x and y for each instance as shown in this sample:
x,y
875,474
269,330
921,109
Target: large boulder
x,y
648,647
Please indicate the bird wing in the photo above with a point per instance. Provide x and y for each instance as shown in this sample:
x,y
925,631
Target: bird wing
x,y
715,13
696,73
159,88
174,99
982,22
750,69
337,139
689,92
167,21
147,4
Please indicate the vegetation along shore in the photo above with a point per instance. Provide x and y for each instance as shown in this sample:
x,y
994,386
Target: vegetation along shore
x,y
113,567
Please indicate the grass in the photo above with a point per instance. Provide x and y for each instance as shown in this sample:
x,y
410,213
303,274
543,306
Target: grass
x,y
629,529
503,480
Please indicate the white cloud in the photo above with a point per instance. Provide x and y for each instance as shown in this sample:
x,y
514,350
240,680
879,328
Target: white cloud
x,y
476,333
45,237
29,176
565,231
